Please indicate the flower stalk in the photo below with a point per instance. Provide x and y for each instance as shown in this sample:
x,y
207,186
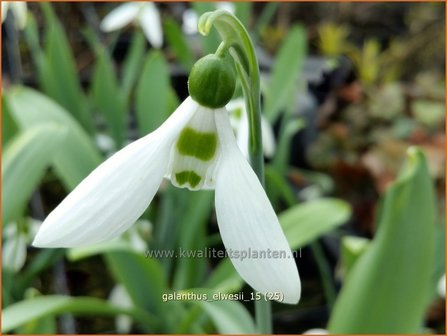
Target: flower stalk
x,y
235,37
237,41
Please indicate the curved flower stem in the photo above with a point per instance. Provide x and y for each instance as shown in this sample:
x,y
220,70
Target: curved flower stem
x,y
241,48
235,35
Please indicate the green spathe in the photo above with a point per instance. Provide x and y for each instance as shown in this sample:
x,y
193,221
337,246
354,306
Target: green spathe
x,y
212,81
200,145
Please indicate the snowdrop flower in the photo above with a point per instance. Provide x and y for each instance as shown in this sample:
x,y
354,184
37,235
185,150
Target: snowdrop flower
x,y
190,17
144,14
18,9
239,121
196,149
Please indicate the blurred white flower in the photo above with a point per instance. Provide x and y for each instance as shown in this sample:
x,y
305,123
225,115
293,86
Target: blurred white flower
x,y
119,297
15,243
316,331
191,19
144,14
239,121
441,286
18,9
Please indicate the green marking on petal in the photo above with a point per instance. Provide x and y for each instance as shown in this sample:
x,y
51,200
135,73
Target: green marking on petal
x,y
200,145
188,176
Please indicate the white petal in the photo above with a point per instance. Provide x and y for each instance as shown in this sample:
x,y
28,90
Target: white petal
x,y
268,138
114,195
120,16
191,170
150,22
190,21
243,134
5,7
239,121
248,223
20,11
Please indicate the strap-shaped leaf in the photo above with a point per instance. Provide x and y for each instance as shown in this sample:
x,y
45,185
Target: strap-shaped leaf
x,y
388,288
24,164
79,156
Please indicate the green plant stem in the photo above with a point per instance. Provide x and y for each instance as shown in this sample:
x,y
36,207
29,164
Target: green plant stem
x,y
242,50
325,273
263,316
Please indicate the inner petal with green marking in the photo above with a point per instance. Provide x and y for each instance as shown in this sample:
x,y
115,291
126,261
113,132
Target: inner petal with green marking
x,y
201,145
195,152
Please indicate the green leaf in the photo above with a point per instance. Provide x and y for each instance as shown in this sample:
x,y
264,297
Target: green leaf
x,y
351,249
229,317
285,70
108,98
83,252
179,45
133,63
24,164
224,278
9,126
42,260
388,288
59,73
142,277
439,257
152,93
288,129
278,187
305,222
264,18
45,325
243,12
79,156
26,311
190,271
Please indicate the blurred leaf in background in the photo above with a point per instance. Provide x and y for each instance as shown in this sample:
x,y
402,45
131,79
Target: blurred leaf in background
x,y
79,157
152,93
58,73
24,164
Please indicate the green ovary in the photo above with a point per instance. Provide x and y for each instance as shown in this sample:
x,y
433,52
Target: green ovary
x,y
200,145
188,176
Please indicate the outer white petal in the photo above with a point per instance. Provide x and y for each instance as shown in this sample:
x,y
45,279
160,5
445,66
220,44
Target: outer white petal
x,y
120,16
248,223
114,195
150,22
19,9
268,138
